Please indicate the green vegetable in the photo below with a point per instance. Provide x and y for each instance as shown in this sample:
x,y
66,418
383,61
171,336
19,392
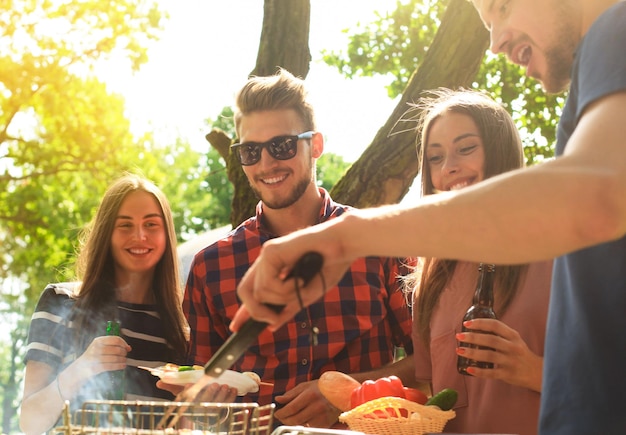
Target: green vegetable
x,y
445,399
184,368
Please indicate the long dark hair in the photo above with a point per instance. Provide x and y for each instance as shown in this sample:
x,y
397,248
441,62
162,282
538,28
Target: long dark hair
x,y
503,152
96,300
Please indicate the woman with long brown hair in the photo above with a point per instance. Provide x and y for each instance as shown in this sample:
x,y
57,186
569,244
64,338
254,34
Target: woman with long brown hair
x,y
128,273
466,137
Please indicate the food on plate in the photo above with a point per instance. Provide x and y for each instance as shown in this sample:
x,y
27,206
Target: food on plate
x,y
246,382
187,368
256,378
178,375
170,367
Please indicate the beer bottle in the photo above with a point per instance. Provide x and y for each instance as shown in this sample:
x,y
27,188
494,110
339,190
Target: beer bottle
x,y
115,387
482,308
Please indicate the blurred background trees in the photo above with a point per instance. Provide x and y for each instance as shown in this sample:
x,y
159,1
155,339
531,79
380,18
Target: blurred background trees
x,y
63,138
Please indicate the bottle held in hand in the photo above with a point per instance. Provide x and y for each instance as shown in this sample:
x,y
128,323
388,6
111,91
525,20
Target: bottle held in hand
x,y
482,308
115,388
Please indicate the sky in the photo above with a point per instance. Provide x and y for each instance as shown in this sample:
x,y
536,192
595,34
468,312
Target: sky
x,y
208,49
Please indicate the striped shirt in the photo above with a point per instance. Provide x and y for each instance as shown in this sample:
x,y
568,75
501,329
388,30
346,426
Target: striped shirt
x,y
359,321
51,341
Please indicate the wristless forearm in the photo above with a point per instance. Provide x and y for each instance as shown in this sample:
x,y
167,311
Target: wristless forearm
x,y
40,411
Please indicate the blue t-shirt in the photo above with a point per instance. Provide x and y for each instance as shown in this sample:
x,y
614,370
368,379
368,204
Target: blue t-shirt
x,y
584,378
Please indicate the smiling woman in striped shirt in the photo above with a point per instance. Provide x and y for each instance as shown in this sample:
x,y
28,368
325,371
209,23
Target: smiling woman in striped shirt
x,y
129,273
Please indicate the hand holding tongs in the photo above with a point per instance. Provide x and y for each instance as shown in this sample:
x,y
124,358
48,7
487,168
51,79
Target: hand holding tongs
x,y
305,269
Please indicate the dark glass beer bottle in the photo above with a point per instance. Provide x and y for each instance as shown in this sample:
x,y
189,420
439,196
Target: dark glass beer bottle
x,y
482,308
115,387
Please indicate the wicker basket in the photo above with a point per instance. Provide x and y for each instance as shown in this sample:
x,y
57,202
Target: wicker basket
x,y
396,416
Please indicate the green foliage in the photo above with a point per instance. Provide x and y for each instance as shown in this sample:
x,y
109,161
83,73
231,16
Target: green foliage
x,y
535,112
78,34
196,185
330,168
63,139
11,350
395,45
225,122
217,210
62,135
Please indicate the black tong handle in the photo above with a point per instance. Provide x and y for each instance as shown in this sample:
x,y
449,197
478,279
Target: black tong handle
x,y
305,268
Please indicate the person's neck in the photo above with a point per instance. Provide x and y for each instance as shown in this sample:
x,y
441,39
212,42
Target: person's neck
x,y
302,214
134,288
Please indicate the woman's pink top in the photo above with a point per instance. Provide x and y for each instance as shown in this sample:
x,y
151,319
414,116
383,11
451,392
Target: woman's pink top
x,y
484,405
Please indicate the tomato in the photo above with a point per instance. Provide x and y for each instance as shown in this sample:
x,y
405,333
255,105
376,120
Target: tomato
x,y
385,387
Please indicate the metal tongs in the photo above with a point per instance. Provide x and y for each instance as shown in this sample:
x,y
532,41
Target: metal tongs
x,y
305,269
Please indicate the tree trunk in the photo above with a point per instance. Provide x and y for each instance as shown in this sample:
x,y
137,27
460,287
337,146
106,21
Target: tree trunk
x,y
387,168
284,43
284,38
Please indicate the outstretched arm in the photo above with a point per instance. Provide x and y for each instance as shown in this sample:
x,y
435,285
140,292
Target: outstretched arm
x,y
572,202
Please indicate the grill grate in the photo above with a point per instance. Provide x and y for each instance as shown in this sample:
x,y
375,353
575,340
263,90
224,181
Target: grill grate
x,y
113,417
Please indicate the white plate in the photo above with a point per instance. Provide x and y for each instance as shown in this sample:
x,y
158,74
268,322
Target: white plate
x,y
243,383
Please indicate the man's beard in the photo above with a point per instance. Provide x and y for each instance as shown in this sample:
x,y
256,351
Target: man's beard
x,y
560,56
291,199
560,60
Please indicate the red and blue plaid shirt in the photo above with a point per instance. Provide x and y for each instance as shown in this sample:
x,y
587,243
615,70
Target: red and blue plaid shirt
x,y
359,321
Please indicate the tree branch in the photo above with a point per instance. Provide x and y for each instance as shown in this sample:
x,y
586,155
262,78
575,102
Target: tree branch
x,y
220,141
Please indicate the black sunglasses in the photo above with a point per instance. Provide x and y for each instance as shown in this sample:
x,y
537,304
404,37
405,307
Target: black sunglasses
x,y
279,147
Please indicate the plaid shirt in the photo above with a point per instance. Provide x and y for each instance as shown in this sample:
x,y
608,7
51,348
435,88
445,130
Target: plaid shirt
x,y
359,321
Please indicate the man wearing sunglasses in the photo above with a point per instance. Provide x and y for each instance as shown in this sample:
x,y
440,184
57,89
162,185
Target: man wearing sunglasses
x,y
278,148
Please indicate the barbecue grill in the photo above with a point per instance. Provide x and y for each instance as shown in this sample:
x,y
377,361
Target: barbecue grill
x,y
123,417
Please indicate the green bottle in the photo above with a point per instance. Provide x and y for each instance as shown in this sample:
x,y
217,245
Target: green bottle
x,y
115,387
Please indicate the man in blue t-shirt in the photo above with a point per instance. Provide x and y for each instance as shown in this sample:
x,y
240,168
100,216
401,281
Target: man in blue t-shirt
x,y
573,208
581,43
